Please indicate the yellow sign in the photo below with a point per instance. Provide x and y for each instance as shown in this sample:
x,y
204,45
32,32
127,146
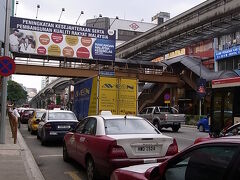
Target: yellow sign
x,y
127,96
108,94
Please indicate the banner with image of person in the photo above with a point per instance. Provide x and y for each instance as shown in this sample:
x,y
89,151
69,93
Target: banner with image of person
x,y
56,39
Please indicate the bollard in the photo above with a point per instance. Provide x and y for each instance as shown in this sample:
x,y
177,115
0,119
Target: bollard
x,y
13,120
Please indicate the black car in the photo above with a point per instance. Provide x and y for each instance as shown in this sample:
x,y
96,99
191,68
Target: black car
x,y
54,124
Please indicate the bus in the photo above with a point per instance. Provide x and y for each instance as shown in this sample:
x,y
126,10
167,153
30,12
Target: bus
x,y
225,104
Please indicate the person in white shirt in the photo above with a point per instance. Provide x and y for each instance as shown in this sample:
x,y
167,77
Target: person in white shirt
x,y
13,41
16,114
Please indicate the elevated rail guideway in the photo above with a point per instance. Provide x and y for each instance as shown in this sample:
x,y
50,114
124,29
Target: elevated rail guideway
x,y
207,20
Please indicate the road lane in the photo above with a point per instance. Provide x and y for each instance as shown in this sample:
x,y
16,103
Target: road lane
x,y
185,136
50,161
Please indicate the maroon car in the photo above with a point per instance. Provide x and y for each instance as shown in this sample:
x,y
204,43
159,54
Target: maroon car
x,y
26,115
233,130
216,159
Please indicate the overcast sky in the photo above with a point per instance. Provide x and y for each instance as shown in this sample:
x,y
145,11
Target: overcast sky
x,y
125,9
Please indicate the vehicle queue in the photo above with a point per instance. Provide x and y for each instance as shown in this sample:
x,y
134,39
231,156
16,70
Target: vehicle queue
x,y
109,145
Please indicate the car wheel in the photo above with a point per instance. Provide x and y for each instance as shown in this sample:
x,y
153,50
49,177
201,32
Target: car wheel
x,y
38,137
175,128
66,157
43,138
91,174
201,128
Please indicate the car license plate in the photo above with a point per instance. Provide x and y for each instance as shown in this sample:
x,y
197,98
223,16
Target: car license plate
x,y
146,148
63,127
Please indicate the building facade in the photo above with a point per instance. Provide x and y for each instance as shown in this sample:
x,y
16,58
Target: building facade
x,y
125,29
227,52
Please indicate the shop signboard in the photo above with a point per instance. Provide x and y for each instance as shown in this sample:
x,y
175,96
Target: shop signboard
x,y
56,39
234,51
201,87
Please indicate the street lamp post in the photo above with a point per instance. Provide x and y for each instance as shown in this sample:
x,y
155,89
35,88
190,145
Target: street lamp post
x,y
38,6
113,22
63,9
79,16
5,79
16,8
100,15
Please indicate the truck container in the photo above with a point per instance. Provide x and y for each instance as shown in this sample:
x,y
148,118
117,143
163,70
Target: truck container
x,y
102,93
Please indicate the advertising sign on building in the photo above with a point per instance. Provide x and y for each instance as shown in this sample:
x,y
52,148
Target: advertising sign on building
x,y
56,39
201,87
227,53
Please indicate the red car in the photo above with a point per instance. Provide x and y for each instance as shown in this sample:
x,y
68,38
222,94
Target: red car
x,y
106,142
216,159
230,131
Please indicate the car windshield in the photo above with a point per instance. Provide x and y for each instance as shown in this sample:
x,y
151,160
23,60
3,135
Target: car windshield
x,y
61,116
128,126
39,114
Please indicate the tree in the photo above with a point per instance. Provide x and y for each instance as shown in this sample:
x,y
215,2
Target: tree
x,y
16,94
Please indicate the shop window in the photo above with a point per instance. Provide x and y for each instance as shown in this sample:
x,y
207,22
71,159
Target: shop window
x,y
221,65
229,64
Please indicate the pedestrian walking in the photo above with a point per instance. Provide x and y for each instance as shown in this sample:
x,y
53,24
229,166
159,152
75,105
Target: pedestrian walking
x,y
17,115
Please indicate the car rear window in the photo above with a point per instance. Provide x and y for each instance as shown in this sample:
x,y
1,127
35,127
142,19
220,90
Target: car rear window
x,y
128,126
61,116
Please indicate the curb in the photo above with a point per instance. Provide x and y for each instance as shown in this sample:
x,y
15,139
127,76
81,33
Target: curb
x,y
32,169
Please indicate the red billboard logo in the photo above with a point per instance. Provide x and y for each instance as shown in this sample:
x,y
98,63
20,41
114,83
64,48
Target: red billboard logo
x,y
134,26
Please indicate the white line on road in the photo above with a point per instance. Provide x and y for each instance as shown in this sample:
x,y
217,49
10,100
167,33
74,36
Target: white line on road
x,y
51,155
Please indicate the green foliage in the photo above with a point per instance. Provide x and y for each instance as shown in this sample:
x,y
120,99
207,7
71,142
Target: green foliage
x,y
15,93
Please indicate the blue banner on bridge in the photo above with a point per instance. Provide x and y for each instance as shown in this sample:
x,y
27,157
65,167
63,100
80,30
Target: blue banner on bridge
x,y
56,39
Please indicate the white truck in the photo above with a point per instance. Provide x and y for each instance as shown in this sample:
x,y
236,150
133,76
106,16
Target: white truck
x,y
163,117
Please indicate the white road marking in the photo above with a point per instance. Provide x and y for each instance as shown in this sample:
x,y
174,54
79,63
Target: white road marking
x,y
51,155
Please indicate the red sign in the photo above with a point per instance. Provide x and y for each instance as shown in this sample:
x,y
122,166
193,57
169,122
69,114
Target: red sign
x,y
228,82
7,66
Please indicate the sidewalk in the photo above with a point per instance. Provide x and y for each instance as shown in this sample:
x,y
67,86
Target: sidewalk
x,y
16,160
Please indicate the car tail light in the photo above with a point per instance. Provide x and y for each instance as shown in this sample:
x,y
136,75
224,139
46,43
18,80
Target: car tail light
x,y
117,152
172,149
48,126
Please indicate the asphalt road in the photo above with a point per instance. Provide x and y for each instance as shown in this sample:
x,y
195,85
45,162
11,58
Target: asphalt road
x,y
185,136
50,161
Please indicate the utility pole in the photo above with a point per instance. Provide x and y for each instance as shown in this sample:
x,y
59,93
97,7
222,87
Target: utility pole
x,y
5,79
200,101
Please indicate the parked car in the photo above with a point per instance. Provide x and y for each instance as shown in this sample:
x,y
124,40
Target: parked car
x,y
34,121
233,130
26,115
203,125
163,117
54,124
216,159
103,143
